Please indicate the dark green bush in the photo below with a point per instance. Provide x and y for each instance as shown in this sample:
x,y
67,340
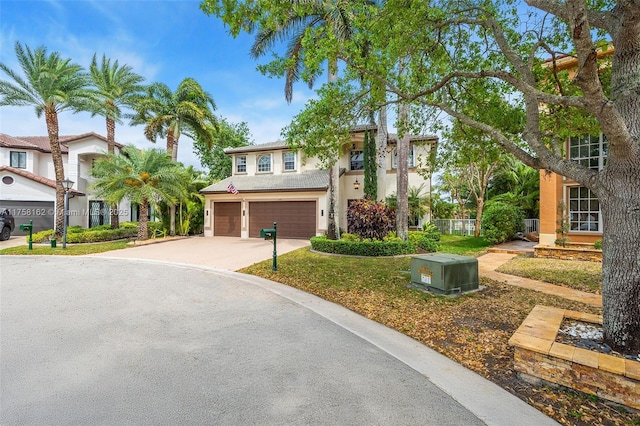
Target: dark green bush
x,y
501,222
78,234
362,248
598,245
369,219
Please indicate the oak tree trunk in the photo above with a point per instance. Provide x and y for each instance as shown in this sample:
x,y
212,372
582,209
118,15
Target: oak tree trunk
x,y
620,208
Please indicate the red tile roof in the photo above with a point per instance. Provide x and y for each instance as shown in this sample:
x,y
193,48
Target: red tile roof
x,y
41,143
43,180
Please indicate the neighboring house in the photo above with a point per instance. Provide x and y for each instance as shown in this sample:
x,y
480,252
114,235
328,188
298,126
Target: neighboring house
x,y
581,207
27,180
277,184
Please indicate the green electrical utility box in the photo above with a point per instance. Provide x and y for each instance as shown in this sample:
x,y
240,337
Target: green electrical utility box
x,y
443,273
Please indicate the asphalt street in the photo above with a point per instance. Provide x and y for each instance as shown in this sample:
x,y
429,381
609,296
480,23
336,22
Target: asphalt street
x,y
89,340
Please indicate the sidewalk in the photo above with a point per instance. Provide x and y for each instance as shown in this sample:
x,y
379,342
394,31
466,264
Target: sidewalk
x,y
488,263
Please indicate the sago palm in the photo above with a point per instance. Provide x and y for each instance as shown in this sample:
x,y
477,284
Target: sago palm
x,y
145,177
51,84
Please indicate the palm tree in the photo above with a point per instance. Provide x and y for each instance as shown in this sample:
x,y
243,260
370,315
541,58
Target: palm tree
x,y
146,177
326,16
51,84
116,87
192,204
188,111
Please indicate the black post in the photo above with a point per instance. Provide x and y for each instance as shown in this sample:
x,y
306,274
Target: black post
x,y
274,267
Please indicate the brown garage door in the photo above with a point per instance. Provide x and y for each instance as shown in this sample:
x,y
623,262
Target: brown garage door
x,y
296,219
226,219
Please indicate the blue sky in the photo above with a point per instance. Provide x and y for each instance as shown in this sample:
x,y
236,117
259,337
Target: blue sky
x,y
162,40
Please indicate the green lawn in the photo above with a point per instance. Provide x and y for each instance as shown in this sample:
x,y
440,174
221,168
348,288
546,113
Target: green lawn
x,y
581,275
464,246
71,250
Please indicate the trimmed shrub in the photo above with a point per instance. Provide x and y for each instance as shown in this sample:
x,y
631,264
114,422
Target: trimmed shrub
x,y
42,236
369,219
78,234
501,222
424,240
598,245
362,248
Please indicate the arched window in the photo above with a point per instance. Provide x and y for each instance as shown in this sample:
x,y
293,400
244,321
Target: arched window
x,y
264,163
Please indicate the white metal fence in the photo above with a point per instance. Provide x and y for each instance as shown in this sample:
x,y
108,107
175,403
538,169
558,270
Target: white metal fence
x,y
468,226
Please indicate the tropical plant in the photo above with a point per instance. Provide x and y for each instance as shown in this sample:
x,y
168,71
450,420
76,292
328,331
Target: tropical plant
x,y
419,202
51,85
115,87
188,111
190,208
517,183
370,219
145,177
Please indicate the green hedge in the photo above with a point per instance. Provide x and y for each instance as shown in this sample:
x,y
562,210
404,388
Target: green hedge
x,y
362,248
78,234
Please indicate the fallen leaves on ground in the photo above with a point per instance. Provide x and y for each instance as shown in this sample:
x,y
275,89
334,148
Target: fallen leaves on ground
x,y
473,329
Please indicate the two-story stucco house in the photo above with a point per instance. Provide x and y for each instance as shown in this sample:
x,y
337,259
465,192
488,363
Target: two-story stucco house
x,y
273,183
27,180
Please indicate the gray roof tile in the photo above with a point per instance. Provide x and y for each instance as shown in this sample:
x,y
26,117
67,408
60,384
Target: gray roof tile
x,y
313,180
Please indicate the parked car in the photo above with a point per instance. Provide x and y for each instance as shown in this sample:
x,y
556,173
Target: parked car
x,y
7,224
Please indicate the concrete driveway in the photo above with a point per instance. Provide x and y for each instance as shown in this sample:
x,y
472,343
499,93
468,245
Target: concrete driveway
x,y
13,241
226,253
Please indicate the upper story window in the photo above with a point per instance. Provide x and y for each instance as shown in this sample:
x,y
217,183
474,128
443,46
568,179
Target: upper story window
x,y
241,164
264,163
289,161
411,158
18,159
356,160
590,150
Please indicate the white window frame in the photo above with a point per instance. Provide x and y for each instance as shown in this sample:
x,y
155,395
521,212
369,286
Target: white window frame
x,y
583,209
239,164
258,165
293,161
22,155
411,154
589,150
